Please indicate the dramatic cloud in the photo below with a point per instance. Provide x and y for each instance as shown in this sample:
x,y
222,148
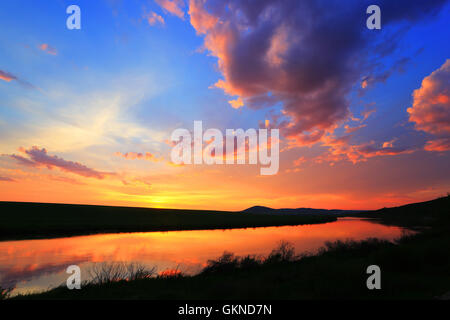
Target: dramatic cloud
x,y
172,6
153,19
137,155
304,55
430,110
48,49
39,157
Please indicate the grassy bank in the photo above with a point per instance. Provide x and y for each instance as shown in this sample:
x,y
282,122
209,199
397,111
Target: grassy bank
x,y
415,267
41,220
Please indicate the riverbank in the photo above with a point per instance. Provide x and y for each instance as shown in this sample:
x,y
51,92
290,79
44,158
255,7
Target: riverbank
x,y
20,221
414,267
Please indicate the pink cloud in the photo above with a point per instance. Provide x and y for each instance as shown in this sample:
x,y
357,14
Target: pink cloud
x,y
299,161
48,49
431,102
431,108
340,149
366,114
172,6
349,129
7,76
153,19
39,157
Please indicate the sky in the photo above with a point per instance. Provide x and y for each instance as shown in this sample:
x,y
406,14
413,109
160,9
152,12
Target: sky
x,y
86,115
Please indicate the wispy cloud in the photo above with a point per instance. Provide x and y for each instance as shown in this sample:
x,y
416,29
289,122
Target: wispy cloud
x,y
439,145
138,156
349,129
6,179
6,76
341,149
154,19
37,157
48,49
172,6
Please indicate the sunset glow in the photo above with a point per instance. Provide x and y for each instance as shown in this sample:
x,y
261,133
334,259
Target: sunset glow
x,y
86,115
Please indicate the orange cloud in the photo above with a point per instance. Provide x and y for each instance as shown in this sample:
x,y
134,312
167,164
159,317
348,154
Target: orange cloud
x,y
137,155
439,145
431,108
236,104
349,129
340,149
172,6
389,144
153,19
299,161
48,49
431,102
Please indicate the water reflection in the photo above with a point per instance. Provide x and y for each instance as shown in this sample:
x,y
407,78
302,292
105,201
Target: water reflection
x,y
31,265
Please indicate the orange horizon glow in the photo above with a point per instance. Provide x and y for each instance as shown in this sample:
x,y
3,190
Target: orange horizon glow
x,y
88,118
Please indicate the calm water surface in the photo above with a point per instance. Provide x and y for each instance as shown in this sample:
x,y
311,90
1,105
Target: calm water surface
x,y
35,265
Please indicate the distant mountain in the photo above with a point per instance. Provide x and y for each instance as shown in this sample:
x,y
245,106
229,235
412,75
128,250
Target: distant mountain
x,y
259,209
267,210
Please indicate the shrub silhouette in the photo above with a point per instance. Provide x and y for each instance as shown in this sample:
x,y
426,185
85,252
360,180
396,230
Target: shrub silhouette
x,y
283,253
5,292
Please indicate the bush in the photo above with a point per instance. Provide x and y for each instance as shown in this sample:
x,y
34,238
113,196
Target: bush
x,y
283,253
4,293
226,263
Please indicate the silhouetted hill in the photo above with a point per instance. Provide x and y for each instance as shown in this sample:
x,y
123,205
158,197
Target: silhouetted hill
x,y
427,213
267,210
21,220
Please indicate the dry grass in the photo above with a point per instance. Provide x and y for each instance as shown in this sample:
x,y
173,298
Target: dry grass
x,y
107,272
